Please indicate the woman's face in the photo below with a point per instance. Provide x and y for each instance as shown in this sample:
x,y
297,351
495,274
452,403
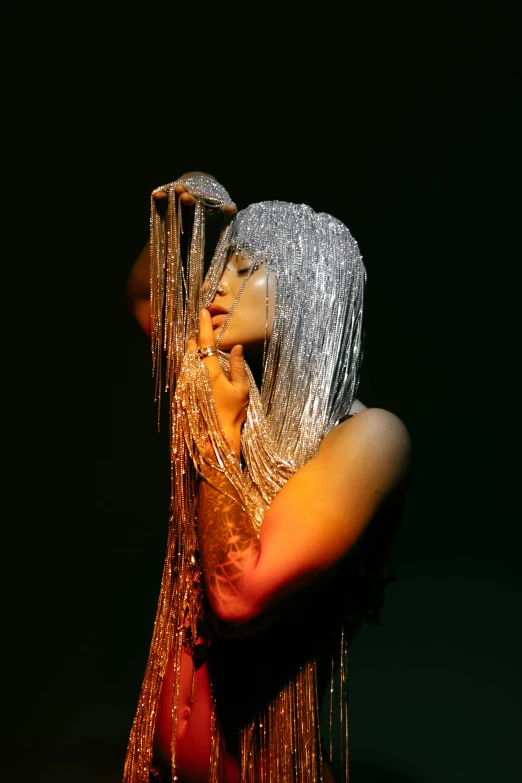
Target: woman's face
x,y
248,323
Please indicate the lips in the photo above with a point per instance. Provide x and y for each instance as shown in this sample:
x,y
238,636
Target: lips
x,y
219,319
216,309
218,315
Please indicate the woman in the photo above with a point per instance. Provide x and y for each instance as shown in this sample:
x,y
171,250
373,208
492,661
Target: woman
x,y
287,490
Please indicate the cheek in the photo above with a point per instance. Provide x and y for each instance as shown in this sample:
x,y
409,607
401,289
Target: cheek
x,y
259,290
271,301
259,301
252,307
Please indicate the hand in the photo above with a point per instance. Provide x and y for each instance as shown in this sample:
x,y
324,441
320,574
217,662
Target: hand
x,y
230,396
185,196
188,200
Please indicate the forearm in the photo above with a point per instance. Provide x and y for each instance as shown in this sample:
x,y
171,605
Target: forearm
x,y
229,548
242,604
138,289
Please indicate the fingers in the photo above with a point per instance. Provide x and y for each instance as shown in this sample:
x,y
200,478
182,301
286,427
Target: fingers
x,y
206,340
238,374
230,394
185,197
192,344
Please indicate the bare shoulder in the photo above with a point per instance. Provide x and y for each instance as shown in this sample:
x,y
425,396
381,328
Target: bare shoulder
x,y
379,422
378,441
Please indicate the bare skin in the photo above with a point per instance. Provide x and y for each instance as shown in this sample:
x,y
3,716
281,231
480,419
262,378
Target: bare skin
x,y
316,520
358,465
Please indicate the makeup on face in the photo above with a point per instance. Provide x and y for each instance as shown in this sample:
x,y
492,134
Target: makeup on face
x,y
242,310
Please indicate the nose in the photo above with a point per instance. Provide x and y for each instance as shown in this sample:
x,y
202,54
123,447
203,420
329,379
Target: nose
x,y
222,288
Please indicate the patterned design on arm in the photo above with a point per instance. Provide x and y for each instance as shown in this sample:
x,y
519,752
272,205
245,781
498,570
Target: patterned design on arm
x,y
229,545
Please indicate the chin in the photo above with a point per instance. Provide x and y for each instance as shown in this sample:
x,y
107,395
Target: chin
x,y
225,344
228,339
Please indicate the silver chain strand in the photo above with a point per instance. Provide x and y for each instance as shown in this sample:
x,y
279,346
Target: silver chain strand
x,y
316,345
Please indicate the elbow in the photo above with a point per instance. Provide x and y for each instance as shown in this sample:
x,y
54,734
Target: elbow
x,y
234,629
238,619
229,620
235,599
247,618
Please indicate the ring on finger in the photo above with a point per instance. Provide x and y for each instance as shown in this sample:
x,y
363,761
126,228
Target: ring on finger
x,y
210,351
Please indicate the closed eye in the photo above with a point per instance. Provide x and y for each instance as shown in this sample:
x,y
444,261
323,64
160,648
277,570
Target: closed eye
x,y
238,271
244,270
254,267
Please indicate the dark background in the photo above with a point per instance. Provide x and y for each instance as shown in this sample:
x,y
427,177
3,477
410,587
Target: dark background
x,y
405,124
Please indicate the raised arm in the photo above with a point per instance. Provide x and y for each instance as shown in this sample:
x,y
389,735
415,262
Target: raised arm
x,y
138,290
138,282
313,522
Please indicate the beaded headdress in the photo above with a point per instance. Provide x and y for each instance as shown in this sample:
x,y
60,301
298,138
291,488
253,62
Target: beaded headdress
x,y
310,380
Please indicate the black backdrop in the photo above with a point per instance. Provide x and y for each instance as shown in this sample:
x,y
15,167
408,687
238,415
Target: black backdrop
x,y
416,150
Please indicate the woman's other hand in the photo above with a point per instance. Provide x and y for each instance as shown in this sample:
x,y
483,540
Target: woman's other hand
x,y
230,396
187,199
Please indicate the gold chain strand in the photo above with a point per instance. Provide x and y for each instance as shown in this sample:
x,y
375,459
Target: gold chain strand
x,y
330,703
343,706
345,716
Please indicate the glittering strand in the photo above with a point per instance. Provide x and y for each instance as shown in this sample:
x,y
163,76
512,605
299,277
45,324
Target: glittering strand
x,y
175,290
343,705
196,420
174,294
311,376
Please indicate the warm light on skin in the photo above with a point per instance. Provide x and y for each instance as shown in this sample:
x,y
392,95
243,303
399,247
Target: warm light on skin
x,y
247,323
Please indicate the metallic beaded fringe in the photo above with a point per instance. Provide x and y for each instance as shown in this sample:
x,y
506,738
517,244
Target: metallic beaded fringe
x,y
282,744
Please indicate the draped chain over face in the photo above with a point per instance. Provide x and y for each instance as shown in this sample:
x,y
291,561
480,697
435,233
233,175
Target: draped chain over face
x,y
310,380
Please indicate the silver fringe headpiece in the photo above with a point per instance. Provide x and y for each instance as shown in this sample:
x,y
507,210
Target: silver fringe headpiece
x,y
311,367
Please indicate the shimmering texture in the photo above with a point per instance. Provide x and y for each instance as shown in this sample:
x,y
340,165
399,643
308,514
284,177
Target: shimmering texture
x,y
310,380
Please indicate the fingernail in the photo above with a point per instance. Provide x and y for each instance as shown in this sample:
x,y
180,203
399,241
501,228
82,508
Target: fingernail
x,y
241,351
